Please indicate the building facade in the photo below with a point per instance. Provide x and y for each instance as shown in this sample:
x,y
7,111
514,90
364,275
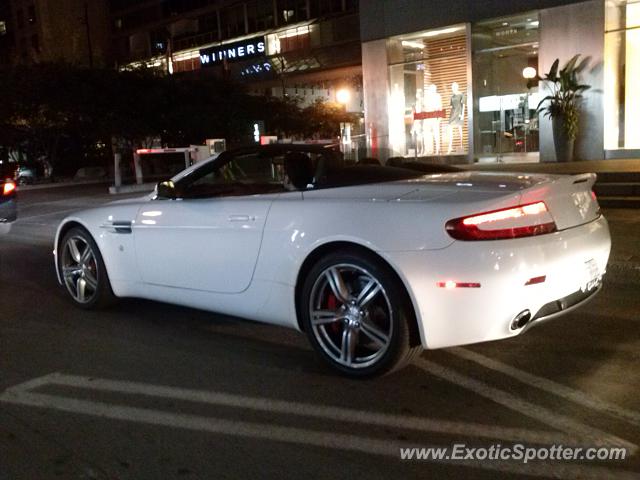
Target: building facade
x,y
38,31
303,49
6,38
457,83
432,78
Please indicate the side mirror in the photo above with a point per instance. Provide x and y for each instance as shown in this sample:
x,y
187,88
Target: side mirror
x,y
166,190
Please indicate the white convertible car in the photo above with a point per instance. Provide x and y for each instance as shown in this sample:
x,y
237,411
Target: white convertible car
x,y
374,263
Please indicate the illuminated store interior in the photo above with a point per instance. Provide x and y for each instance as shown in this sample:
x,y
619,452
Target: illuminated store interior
x,y
622,71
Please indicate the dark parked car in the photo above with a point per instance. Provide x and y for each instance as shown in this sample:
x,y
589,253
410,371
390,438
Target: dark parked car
x,y
8,208
28,172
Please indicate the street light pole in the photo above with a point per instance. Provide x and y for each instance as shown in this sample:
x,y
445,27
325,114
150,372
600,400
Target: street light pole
x,y
88,29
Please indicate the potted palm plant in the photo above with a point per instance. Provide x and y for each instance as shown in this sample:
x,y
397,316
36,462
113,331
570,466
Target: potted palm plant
x,y
562,105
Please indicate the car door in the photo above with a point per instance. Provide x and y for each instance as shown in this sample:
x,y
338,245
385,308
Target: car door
x,y
209,237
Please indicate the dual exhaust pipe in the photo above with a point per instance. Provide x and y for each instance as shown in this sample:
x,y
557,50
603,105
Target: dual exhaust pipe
x,y
521,320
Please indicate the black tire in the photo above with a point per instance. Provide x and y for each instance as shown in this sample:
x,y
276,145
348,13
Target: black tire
x,y
389,311
100,296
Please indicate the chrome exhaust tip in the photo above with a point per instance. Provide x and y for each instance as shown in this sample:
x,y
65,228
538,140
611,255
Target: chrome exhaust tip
x,y
521,320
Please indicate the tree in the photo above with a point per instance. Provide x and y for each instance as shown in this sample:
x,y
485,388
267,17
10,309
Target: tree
x,y
322,119
72,115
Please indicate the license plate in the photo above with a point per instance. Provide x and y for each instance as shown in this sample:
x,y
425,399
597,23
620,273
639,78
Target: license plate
x,y
593,277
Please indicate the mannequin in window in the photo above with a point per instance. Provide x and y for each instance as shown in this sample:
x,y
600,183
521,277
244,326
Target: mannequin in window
x,y
456,115
416,129
431,125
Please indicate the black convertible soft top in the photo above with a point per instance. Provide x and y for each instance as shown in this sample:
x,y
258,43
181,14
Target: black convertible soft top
x,y
336,173
364,174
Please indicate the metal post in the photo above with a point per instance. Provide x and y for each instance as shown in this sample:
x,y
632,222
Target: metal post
x,y
138,167
88,30
117,173
187,159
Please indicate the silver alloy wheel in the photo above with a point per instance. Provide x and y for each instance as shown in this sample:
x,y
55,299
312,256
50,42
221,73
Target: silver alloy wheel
x,y
351,316
79,269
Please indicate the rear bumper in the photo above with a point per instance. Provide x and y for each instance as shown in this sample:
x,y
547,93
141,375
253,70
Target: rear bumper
x,y
562,306
572,261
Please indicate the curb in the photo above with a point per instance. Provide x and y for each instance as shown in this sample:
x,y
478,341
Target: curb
x,y
45,186
134,188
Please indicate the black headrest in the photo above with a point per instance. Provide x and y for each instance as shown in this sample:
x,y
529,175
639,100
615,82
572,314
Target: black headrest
x,y
395,161
369,161
299,169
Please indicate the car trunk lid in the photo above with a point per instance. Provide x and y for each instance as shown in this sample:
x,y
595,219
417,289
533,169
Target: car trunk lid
x,y
569,198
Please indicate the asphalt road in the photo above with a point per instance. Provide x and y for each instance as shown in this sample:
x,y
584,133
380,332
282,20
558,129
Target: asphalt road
x,y
151,391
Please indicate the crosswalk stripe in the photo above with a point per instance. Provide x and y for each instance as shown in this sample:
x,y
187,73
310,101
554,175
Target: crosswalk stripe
x,y
328,440
335,413
549,386
524,407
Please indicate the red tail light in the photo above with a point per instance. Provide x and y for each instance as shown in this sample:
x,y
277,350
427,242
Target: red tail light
x,y
515,222
9,187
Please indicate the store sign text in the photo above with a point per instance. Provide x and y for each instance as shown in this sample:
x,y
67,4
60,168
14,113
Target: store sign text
x,y
256,68
232,52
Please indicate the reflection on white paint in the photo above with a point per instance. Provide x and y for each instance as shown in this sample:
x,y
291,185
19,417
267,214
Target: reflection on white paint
x,y
152,213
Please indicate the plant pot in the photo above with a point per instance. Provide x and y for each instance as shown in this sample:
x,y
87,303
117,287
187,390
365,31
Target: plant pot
x,y
562,143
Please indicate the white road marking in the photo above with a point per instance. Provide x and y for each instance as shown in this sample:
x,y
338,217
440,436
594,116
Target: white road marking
x,y
550,386
35,224
541,414
339,414
33,383
270,432
65,202
40,215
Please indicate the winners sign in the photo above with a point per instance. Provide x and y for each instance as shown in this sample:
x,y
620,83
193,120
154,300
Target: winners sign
x,y
232,52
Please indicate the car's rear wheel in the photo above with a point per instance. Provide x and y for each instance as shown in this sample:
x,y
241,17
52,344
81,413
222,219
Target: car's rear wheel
x,y
82,270
357,315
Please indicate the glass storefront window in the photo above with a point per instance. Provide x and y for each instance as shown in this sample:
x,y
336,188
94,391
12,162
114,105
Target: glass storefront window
x,y
290,40
622,70
428,93
505,56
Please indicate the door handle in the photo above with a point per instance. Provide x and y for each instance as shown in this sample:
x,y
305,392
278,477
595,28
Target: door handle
x,y
241,218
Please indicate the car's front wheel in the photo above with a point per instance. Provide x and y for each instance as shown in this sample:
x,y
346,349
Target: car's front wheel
x,y
357,315
82,270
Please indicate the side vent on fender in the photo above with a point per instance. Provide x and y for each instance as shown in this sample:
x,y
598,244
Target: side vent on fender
x,y
117,226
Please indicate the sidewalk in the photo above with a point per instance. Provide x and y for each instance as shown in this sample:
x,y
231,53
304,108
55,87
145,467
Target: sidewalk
x,y
64,183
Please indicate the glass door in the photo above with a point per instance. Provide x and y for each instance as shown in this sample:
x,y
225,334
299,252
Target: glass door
x,y
505,60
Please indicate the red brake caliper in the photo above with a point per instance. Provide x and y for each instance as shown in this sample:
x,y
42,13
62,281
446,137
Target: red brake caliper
x,y
332,304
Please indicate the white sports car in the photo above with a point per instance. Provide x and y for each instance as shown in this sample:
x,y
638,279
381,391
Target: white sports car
x,y
374,263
